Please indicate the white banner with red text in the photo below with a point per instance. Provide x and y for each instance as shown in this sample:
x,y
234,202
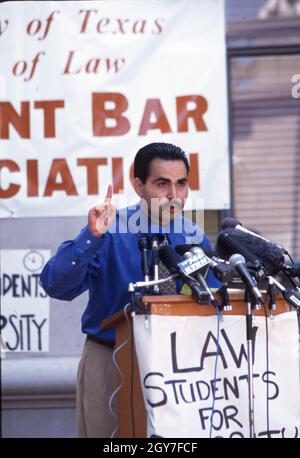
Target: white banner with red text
x,y
85,84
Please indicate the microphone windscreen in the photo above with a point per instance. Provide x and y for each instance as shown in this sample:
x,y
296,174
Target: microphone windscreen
x,y
229,223
143,243
254,250
170,259
181,249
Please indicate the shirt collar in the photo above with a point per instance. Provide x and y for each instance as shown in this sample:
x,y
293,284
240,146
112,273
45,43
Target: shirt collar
x,y
132,219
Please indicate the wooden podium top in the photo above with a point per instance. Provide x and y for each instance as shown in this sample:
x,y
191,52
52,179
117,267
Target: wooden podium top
x,y
182,305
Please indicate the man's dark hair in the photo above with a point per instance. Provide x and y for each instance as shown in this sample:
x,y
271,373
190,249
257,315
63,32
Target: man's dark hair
x,y
165,151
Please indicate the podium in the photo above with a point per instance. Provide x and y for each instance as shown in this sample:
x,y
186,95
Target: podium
x,y
130,404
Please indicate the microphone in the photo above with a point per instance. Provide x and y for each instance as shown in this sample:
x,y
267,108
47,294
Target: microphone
x,y
259,253
143,246
196,250
172,261
238,261
236,224
271,296
291,297
292,270
212,254
221,268
155,245
198,261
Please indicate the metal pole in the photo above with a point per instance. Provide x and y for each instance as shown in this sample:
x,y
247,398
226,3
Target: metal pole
x,y
250,363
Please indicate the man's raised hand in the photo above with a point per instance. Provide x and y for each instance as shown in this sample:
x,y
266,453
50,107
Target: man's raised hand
x,y
101,216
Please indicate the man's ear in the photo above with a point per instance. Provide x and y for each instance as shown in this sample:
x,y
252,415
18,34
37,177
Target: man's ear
x,y
138,186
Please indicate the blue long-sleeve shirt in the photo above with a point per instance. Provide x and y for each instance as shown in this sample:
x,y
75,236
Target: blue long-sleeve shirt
x,y
106,265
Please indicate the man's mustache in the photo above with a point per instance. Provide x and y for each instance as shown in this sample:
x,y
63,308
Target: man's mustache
x,y
172,203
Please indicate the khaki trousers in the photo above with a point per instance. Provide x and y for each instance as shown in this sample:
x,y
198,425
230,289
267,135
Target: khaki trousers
x,y
96,381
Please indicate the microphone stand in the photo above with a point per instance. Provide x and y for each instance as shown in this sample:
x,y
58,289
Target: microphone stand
x,y
272,296
146,284
155,247
134,296
249,302
292,297
293,282
225,297
143,246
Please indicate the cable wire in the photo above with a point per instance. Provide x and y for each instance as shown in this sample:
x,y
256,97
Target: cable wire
x,y
131,380
215,371
118,388
267,367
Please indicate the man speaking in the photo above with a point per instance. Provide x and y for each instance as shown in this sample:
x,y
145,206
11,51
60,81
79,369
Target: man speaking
x,y
105,257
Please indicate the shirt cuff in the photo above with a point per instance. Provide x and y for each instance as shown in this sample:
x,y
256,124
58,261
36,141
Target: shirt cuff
x,y
87,242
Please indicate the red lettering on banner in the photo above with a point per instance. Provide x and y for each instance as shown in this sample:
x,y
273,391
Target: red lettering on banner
x,y
36,25
60,168
154,107
108,115
119,25
86,19
139,26
62,178
194,178
3,26
94,65
49,107
91,164
21,122
20,68
101,113
117,173
13,188
154,115
68,70
158,25
32,178
102,25
183,113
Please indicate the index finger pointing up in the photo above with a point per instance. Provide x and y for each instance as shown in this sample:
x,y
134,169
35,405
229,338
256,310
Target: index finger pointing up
x,y
108,193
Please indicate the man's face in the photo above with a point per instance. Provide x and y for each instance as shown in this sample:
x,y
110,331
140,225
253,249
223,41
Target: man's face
x,y
165,190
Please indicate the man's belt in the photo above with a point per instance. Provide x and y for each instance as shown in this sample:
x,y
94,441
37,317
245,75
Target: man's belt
x,y
101,342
